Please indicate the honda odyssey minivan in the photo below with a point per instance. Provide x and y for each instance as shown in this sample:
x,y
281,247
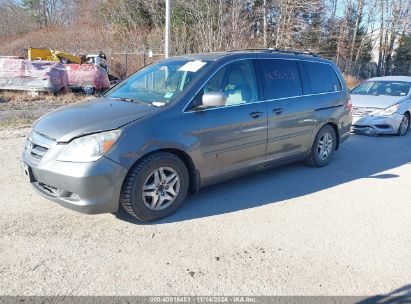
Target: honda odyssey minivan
x,y
184,123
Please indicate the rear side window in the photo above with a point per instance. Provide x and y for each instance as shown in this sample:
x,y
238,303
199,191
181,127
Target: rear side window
x,y
322,78
281,78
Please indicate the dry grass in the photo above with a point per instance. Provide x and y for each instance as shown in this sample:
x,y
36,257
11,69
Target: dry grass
x,y
22,96
351,81
89,39
19,108
17,122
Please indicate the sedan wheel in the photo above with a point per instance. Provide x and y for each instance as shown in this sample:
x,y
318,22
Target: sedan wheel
x,y
404,126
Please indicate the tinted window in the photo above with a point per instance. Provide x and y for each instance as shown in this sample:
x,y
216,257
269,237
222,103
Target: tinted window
x,y
322,77
281,78
237,81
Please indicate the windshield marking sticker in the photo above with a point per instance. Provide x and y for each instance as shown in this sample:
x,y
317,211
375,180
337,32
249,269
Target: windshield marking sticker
x,y
192,66
158,104
168,95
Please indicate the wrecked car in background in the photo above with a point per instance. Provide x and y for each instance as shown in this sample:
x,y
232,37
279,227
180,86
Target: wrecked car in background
x,y
88,78
35,76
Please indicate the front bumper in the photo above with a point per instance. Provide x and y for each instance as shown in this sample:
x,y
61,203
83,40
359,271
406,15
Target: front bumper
x,y
90,188
375,125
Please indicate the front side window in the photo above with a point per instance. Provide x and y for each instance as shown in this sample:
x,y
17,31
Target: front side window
x,y
387,88
236,81
281,78
322,78
158,84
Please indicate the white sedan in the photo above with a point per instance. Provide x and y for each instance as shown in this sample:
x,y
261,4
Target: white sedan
x,y
382,105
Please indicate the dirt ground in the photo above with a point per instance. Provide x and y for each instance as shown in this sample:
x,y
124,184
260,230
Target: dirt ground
x,y
295,230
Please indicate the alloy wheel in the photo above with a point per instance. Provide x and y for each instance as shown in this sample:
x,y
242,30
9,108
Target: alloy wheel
x,y
325,146
404,125
161,188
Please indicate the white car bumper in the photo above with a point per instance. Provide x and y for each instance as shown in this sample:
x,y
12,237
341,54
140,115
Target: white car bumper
x,y
374,125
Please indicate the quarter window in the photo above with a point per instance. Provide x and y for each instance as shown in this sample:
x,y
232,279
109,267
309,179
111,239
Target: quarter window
x,y
322,78
281,78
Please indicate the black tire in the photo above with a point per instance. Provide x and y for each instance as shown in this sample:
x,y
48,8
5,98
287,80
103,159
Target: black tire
x,y
314,159
131,197
405,120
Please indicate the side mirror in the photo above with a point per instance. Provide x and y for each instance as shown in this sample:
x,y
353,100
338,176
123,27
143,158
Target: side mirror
x,y
214,99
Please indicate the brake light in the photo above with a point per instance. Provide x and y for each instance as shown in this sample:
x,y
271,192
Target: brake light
x,y
349,105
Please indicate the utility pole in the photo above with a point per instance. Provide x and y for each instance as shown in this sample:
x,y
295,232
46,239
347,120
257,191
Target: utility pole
x,y
167,30
265,23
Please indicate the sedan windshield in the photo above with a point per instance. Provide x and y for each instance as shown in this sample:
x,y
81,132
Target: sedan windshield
x,y
387,88
158,84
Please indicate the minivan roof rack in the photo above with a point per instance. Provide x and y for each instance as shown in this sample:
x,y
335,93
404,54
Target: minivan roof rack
x,y
272,50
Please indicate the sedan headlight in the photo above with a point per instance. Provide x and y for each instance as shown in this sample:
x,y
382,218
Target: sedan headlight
x,y
386,112
89,148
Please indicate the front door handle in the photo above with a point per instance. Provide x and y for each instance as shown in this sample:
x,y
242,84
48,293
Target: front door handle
x,y
255,114
278,111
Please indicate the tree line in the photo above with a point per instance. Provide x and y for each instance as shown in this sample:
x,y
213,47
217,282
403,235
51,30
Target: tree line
x,y
364,37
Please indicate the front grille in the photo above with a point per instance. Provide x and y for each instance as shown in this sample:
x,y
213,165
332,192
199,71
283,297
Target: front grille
x,y
50,190
360,112
37,146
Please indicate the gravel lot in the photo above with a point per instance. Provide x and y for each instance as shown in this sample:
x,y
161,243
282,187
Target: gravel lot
x,y
340,230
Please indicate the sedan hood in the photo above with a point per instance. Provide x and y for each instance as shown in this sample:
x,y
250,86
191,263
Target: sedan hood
x,y
372,101
88,117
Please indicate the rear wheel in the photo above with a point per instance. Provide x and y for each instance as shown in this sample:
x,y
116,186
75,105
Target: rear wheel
x,y
404,126
155,187
322,151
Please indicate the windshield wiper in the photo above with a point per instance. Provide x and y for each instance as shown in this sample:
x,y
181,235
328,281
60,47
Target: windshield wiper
x,y
131,100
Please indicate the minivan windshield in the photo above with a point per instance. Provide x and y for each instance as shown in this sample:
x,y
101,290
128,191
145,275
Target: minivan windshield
x,y
158,84
387,88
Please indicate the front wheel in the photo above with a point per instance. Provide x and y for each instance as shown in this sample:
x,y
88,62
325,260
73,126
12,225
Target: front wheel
x,y
322,151
404,126
155,187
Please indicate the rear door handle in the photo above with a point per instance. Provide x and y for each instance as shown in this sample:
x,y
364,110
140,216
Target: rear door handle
x,y
255,114
278,111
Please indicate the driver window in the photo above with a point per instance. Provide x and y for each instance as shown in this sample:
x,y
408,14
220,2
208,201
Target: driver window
x,y
236,81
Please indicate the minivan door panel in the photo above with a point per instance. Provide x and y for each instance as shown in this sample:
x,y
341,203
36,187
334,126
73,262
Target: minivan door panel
x,y
232,139
290,115
290,129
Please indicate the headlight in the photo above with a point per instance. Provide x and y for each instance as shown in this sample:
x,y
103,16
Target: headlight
x,y
386,112
89,148
28,143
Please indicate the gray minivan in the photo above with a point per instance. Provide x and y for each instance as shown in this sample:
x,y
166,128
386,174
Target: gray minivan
x,y
184,123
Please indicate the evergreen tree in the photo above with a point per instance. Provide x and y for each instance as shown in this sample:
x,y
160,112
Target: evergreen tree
x,y
402,57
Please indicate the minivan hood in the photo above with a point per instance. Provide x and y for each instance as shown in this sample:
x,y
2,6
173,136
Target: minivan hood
x,y
372,101
88,117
